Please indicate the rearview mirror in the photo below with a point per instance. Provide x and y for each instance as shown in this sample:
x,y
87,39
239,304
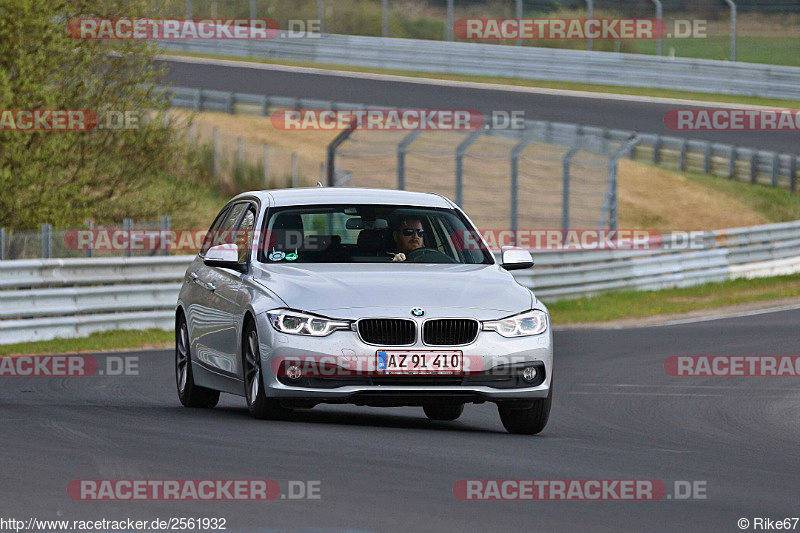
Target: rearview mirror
x,y
516,258
224,256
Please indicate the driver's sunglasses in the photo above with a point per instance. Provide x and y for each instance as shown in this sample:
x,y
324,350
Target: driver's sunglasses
x,y
408,232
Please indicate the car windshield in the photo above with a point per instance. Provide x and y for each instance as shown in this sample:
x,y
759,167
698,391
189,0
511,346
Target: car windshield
x,y
367,234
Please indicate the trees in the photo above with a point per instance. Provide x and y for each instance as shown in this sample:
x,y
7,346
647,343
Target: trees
x,y
65,177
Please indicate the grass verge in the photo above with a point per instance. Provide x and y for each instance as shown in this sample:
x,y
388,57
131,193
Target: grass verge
x,y
629,304
96,342
572,86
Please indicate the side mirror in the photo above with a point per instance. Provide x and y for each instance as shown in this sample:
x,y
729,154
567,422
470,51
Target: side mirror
x,y
224,256
516,258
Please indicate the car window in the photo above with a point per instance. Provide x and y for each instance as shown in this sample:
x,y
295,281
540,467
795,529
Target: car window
x,y
364,233
208,241
244,233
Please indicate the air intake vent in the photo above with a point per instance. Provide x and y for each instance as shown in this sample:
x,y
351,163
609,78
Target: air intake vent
x,y
450,331
387,331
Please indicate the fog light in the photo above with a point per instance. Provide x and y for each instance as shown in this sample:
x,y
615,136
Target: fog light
x,y
529,374
293,372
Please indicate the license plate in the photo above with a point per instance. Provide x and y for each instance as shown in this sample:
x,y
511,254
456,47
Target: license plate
x,y
419,362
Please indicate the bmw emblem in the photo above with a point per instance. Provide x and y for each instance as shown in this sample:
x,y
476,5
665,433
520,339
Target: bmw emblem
x,y
418,311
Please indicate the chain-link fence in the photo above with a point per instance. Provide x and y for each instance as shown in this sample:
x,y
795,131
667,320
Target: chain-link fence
x,y
545,176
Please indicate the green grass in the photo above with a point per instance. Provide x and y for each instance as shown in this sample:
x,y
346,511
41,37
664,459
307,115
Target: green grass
x,y
749,49
572,86
776,204
627,304
97,342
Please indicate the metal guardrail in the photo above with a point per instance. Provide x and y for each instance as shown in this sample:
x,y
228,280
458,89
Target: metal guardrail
x,y
49,298
734,162
607,68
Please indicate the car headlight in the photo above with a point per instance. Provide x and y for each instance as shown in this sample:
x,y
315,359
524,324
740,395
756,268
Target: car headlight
x,y
297,323
528,323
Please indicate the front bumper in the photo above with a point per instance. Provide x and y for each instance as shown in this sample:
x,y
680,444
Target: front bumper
x,y
501,362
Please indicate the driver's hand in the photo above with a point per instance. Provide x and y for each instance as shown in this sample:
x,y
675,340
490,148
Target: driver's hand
x,y
399,257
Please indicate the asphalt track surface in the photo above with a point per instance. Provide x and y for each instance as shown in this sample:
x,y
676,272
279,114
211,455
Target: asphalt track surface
x,y
616,415
644,117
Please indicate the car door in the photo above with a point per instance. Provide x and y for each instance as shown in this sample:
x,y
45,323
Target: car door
x,y
217,298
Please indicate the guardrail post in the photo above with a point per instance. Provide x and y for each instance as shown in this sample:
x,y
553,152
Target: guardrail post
x,y
774,173
513,210
792,173
89,252
266,166
229,104
732,163
165,227
707,158
682,156
610,201
565,187
47,244
264,106
198,100
294,169
754,167
127,227
215,148
2,243
733,28
460,150
402,148
656,150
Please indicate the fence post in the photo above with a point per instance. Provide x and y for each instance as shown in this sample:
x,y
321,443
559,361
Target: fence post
x,y
565,193
733,28
331,162
385,18
514,207
589,15
460,150
450,19
659,13
707,158
240,151
266,166
792,173
198,100
264,106
127,227
47,245
2,243
215,136
229,104
188,9
519,16
321,15
402,148
89,252
732,163
165,241
682,157
294,169
754,167
774,175
610,201
252,9
657,150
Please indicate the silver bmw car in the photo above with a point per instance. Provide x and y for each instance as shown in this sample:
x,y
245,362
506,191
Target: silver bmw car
x,y
361,296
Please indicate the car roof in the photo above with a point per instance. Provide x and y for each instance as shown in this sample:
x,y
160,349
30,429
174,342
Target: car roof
x,y
348,195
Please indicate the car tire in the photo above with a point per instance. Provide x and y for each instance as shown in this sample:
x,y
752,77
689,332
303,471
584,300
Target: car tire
x,y
443,412
190,394
260,406
527,421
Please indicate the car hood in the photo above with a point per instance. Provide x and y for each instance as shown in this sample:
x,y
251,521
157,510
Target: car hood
x,y
324,288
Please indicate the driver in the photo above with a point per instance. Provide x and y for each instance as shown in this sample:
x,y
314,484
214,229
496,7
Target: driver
x,y
408,236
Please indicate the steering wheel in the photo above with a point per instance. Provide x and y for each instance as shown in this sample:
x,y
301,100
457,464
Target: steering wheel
x,y
428,255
